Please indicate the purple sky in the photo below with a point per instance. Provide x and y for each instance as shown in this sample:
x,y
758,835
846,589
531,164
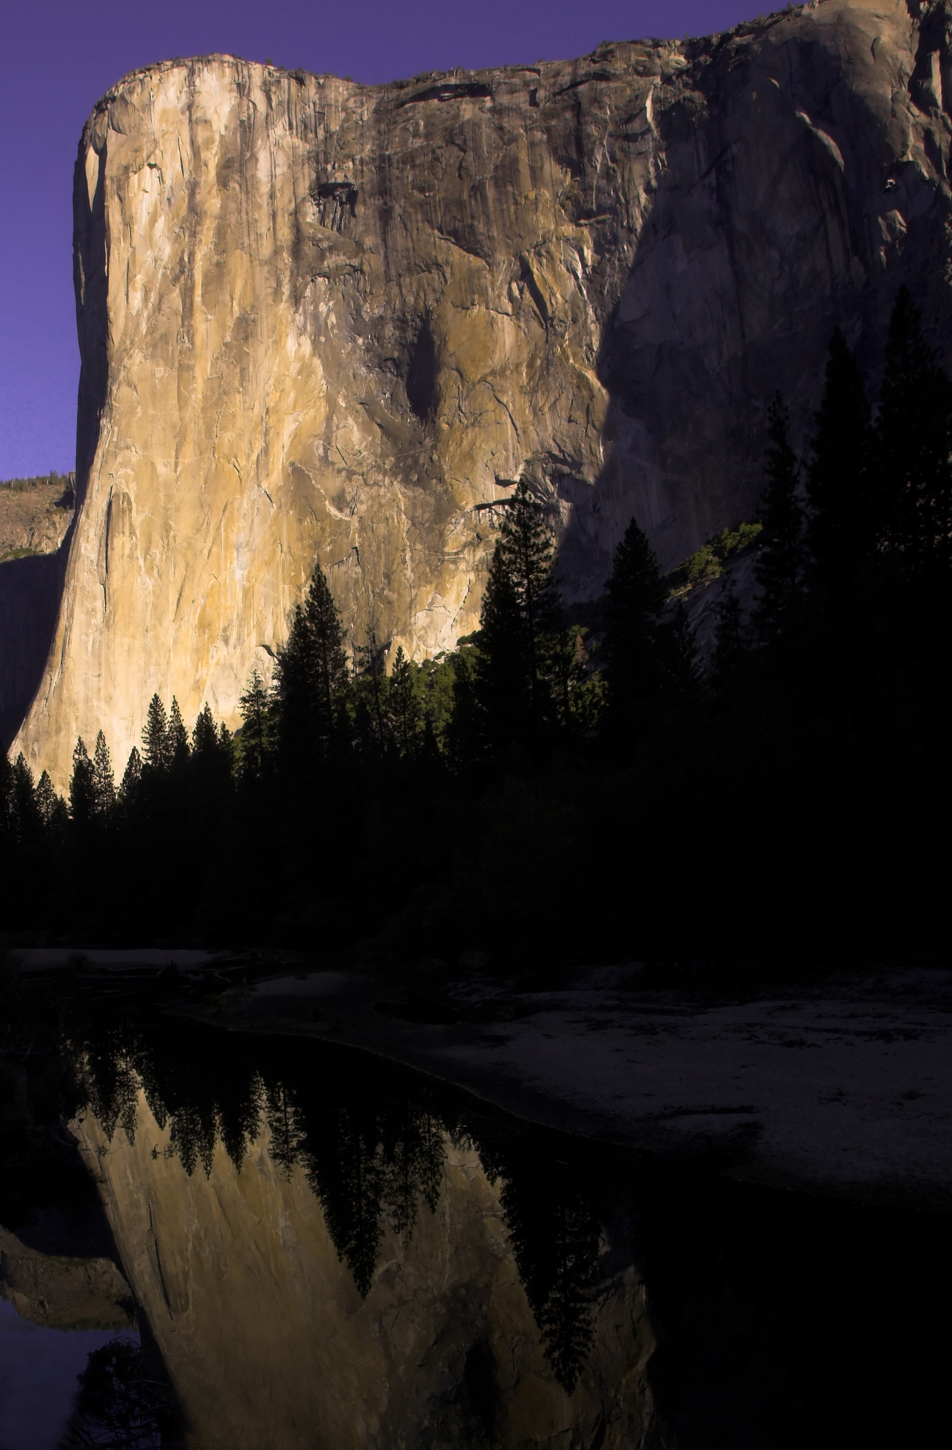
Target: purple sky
x,y
58,56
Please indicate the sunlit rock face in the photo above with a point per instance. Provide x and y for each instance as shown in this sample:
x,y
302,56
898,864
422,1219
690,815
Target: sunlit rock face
x,y
324,321
270,1343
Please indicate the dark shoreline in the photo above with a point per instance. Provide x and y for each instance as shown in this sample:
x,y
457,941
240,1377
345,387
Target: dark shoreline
x,y
553,1065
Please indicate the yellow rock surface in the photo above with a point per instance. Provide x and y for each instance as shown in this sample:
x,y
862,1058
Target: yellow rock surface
x,y
324,321
270,1346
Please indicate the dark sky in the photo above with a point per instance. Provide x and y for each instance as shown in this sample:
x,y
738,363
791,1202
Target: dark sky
x,y
58,56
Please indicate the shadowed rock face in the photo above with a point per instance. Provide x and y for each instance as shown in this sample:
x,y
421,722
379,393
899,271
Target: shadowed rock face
x,y
327,321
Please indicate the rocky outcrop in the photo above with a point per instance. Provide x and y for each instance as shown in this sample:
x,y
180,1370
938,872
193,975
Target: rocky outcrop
x,y
35,515
327,321
62,1293
270,1346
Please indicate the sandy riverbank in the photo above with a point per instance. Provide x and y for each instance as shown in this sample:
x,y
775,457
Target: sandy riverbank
x,y
844,1089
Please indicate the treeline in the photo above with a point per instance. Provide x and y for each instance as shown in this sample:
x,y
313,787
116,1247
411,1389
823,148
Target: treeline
x,y
550,792
65,481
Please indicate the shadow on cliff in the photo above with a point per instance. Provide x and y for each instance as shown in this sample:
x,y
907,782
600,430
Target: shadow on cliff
x,y
31,589
701,326
30,593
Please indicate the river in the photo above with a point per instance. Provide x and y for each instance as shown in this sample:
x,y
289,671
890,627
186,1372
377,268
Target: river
x,y
323,1250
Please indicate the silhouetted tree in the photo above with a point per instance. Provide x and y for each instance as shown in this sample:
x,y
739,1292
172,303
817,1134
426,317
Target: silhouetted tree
x,y
205,739
210,771
104,783
155,737
257,729
124,1402
82,788
519,624
177,739
311,674
781,558
635,669
683,683
50,806
405,705
465,733
730,640
501,686
913,448
132,778
7,808
574,701
841,522
326,637
371,691
26,819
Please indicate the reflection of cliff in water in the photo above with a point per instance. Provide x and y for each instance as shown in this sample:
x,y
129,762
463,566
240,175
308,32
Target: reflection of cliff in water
x,y
327,1258
333,1252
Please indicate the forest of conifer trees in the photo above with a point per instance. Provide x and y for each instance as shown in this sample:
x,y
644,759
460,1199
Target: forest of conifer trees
x,y
552,793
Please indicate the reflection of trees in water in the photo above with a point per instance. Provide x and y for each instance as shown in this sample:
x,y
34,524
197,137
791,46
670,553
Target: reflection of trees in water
x,y
288,1134
370,1164
555,1237
372,1148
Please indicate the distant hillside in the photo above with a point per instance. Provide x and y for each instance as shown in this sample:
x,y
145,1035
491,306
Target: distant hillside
x,y
35,514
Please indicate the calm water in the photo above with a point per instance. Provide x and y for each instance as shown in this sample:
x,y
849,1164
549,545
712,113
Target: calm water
x,y
325,1251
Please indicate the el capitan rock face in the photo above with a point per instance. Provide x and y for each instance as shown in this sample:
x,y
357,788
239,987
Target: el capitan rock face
x,y
327,321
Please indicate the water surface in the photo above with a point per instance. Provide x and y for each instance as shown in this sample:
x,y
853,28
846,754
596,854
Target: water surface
x,y
326,1250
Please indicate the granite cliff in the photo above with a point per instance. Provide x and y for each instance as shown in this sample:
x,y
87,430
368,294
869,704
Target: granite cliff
x,y
320,320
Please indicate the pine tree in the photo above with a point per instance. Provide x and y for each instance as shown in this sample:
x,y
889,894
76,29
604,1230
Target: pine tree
x,y
327,645
82,788
683,682
913,448
841,523
501,685
104,783
528,545
155,737
372,691
730,639
177,739
26,813
405,705
781,558
51,808
294,690
7,810
257,725
636,596
519,625
209,770
132,778
211,748
576,702
311,675
465,732
205,735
